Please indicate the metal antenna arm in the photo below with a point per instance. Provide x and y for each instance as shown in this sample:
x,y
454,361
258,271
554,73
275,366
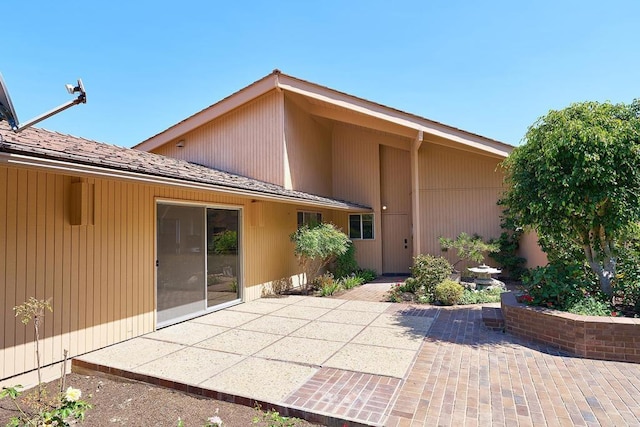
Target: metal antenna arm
x,y
81,99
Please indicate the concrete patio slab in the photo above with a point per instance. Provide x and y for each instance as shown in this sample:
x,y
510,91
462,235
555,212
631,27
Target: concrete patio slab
x,y
321,302
203,364
266,380
414,324
385,361
301,312
368,306
348,317
328,331
130,354
274,325
226,318
239,341
187,333
285,299
257,307
389,337
301,350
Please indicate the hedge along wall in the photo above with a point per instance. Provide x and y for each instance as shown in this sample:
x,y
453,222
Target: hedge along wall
x,y
592,337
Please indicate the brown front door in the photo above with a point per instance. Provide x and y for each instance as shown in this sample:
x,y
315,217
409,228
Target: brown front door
x,y
395,195
396,244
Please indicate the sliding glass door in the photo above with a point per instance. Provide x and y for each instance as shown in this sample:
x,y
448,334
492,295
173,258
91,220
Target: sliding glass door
x,y
198,260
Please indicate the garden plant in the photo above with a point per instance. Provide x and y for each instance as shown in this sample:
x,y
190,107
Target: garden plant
x,y
39,409
316,247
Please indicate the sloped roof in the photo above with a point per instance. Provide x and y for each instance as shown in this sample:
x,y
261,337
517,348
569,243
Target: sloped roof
x,y
280,81
39,143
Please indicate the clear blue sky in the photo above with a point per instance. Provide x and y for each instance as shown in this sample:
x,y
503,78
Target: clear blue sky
x,y
489,67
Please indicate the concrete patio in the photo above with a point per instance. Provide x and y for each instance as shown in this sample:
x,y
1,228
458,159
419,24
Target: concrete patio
x,y
345,360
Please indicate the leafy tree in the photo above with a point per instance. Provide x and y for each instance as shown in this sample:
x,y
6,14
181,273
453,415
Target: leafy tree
x,y
468,247
576,180
317,246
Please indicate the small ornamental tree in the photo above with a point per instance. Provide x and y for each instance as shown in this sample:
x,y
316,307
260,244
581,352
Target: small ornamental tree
x,y
576,180
468,247
317,246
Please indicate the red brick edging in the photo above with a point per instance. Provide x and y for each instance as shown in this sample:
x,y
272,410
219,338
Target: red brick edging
x,y
591,337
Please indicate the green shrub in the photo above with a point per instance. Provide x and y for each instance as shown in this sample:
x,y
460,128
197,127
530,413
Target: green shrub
x,y
346,263
225,242
468,248
507,254
626,284
350,282
590,306
317,246
366,275
428,271
448,292
481,296
558,285
327,285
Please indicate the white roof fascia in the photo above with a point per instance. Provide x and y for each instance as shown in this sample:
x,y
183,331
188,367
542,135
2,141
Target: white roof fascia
x,y
394,116
210,113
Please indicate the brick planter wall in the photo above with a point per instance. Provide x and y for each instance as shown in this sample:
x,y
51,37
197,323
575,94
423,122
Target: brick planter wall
x,y
592,337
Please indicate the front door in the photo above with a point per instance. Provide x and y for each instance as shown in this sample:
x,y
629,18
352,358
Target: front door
x,y
396,244
198,260
395,195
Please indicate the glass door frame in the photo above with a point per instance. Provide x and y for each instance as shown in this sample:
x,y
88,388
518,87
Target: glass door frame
x,y
240,274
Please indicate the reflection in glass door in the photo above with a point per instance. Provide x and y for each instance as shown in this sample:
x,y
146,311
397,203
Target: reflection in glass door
x,y
223,260
192,240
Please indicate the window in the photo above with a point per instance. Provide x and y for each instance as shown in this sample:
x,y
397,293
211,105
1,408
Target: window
x,y
309,218
361,226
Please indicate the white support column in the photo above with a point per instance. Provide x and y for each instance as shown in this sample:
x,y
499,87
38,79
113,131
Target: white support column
x,y
415,193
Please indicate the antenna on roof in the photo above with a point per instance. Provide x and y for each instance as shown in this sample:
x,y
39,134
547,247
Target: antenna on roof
x,y
8,113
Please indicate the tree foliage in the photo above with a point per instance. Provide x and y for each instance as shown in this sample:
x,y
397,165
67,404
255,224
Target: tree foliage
x,y
468,248
317,246
576,180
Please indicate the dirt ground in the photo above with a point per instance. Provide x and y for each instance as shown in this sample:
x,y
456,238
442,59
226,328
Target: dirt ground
x,y
129,403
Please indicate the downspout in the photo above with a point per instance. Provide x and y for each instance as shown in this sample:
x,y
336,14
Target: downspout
x,y
415,194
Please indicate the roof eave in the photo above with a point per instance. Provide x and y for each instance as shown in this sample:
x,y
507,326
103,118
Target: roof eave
x,y
54,165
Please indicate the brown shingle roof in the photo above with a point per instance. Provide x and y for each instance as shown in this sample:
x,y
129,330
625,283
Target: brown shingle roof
x,y
41,143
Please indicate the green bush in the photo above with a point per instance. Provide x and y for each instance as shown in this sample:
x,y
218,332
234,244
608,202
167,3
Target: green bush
x,y
428,271
225,242
316,247
508,245
346,263
481,296
327,285
590,306
366,275
448,292
350,282
558,285
468,248
626,284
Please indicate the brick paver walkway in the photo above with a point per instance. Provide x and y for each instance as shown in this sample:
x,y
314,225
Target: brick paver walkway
x,y
467,375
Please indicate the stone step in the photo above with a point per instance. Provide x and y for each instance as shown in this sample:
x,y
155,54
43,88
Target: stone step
x,y
492,318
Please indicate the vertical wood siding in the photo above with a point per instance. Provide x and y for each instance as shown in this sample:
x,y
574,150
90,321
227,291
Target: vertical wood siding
x,y
247,141
101,275
356,177
308,149
458,193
